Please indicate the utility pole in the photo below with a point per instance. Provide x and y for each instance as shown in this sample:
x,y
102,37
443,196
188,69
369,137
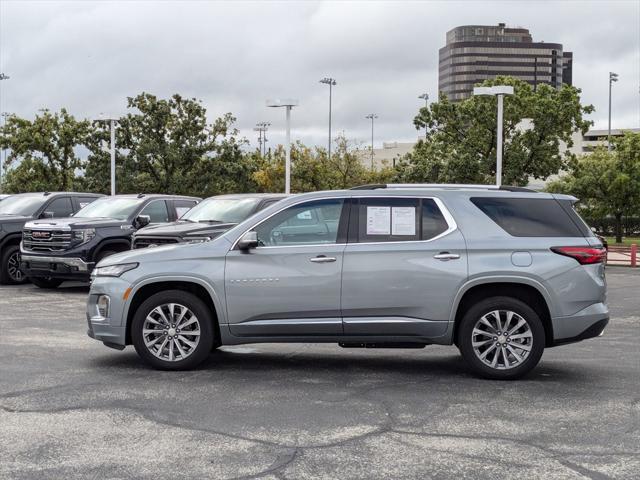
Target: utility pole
x,y
372,117
4,115
262,128
331,82
613,77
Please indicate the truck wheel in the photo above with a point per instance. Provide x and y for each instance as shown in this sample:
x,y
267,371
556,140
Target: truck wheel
x,y
10,273
46,282
173,330
501,338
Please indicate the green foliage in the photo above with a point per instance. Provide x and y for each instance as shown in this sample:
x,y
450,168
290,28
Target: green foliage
x,y
311,169
607,183
44,150
460,145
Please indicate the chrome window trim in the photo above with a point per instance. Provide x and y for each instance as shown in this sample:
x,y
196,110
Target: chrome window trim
x,y
453,226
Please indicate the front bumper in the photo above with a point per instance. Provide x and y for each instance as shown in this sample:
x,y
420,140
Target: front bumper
x,y
68,268
587,323
112,328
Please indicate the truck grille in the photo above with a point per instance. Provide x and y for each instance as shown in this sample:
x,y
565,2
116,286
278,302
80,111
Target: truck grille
x,y
46,240
146,242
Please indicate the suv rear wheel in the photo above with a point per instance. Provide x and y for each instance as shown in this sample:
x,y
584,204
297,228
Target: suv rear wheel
x,y
501,338
10,272
173,330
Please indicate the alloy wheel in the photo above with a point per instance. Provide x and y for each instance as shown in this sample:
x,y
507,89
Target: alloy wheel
x,y
13,268
171,332
502,339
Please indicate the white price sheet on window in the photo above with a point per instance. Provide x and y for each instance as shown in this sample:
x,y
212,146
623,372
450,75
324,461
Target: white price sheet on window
x,y
378,220
403,221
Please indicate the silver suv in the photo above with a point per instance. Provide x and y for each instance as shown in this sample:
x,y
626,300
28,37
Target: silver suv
x,y
500,273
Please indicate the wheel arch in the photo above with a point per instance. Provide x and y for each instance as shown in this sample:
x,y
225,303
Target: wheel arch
x,y
192,285
10,239
525,290
121,244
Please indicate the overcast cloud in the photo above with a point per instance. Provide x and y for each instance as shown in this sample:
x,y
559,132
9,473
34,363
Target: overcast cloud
x,y
89,56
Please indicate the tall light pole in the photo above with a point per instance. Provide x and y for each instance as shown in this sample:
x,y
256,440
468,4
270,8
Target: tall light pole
x,y
372,117
112,124
500,91
3,155
331,82
3,77
613,77
425,97
288,103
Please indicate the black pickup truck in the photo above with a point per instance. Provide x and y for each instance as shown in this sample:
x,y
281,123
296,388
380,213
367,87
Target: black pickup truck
x,y
16,210
207,220
53,251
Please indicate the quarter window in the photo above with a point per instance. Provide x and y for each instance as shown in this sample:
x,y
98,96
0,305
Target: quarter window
x,y
305,224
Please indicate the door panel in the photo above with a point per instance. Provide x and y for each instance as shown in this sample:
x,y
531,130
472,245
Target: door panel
x,y
399,288
281,291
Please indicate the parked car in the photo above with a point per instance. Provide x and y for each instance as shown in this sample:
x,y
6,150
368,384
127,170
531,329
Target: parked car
x,y
210,218
16,210
68,248
500,273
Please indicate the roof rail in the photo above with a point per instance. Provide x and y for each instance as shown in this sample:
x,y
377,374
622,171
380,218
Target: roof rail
x,y
450,186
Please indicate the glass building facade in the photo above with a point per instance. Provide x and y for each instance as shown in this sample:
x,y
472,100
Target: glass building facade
x,y
475,53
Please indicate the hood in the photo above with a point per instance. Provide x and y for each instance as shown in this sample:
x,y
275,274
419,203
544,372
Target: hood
x,y
182,229
74,222
171,253
14,218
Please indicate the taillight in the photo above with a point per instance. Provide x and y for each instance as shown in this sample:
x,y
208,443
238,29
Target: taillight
x,y
584,255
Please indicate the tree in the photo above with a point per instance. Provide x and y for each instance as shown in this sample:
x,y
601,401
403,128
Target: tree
x,y
43,152
168,146
607,183
460,144
311,169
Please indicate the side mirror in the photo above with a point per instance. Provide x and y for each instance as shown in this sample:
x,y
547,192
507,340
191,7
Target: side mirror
x,y
142,221
47,214
248,241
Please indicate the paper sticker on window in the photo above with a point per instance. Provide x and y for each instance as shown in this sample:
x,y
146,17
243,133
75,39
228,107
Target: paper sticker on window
x,y
306,215
378,220
403,221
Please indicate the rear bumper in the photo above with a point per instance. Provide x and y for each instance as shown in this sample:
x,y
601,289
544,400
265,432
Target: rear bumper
x,y
587,323
68,268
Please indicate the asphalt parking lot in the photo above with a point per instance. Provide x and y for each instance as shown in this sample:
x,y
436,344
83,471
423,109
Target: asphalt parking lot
x,y
71,408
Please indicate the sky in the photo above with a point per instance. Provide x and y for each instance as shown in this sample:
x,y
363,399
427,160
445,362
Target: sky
x,y
88,56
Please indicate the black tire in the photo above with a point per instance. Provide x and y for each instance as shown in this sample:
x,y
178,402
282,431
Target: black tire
x,y
500,372
205,319
46,282
10,273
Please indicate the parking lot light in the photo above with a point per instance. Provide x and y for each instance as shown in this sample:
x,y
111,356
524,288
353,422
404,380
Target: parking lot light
x,y
288,103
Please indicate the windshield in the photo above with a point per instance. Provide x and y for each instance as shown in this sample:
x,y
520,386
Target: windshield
x,y
117,208
226,210
26,205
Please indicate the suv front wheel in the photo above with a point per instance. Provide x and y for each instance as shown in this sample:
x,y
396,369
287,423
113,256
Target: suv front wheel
x,y
501,338
173,330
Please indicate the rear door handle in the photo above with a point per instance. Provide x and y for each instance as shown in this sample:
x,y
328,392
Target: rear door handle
x,y
322,259
444,256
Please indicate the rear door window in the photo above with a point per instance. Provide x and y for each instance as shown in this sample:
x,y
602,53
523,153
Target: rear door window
x,y
183,206
529,217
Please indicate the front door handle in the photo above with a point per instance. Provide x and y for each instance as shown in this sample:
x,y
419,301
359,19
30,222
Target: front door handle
x,y
444,256
322,259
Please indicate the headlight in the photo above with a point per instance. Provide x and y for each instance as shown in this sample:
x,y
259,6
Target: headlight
x,y
113,270
196,239
83,235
